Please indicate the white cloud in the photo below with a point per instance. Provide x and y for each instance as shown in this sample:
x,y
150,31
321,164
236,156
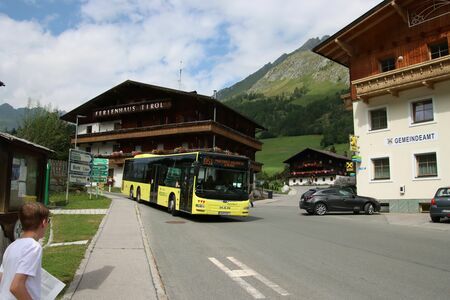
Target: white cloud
x,y
145,41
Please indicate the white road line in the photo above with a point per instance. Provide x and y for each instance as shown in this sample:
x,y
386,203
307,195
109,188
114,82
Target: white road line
x,y
235,277
260,277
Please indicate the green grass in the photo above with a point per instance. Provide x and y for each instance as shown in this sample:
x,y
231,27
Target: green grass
x,y
71,228
79,201
62,262
276,150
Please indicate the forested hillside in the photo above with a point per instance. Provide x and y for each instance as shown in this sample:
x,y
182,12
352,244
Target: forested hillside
x,y
298,94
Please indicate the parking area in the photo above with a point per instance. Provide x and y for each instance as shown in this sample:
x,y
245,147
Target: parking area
x,y
421,220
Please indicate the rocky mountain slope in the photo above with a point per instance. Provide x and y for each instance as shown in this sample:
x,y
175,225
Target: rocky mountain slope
x,y
302,69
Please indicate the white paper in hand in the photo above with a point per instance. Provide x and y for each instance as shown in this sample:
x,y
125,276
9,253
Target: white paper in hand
x,y
50,286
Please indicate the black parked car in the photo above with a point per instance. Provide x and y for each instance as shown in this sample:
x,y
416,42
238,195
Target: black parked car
x,y
440,204
319,201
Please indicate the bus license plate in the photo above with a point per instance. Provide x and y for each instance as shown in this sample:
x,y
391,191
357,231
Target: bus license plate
x,y
224,213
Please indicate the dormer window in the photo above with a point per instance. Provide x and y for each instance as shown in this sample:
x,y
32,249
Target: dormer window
x,y
387,64
439,50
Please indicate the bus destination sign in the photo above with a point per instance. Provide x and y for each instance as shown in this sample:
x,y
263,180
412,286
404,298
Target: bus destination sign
x,y
224,163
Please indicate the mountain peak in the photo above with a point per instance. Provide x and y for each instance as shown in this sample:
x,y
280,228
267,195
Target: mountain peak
x,y
311,43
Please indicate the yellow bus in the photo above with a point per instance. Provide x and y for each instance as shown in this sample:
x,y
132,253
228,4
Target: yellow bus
x,y
200,183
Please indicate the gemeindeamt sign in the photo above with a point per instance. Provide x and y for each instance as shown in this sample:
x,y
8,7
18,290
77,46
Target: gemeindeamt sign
x,y
132,108
411,139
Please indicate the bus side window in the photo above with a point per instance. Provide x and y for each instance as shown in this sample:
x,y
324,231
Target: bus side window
x,y
162,174
172,177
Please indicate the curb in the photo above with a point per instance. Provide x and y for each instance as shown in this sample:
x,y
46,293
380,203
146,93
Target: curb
x,y
87,255
156,277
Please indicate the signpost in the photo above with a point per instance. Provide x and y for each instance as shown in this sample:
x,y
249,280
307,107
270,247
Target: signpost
x,y
99,173
79,169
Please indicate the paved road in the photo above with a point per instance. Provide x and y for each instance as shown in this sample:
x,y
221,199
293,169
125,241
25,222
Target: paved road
x,y
280,253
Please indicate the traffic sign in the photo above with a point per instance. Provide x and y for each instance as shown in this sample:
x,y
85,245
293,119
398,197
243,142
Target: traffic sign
x,y
80,156
95,173
76,167
99,171
101,161
78,179
100,167
98,179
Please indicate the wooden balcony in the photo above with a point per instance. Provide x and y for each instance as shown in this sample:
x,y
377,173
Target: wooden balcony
x,y
171,129
347,100
392,82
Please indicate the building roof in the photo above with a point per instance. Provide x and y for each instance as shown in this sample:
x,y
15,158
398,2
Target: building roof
x,y
105,98
15,140
353,26
327,153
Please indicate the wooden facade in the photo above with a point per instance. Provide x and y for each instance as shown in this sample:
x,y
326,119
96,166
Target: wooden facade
x,y
403,30
312,164
148,118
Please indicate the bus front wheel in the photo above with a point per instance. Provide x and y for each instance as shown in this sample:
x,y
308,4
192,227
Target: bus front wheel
x,y
131,193
172,206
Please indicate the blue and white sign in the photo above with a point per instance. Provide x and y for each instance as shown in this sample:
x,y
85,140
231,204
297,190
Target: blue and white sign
x,y
411,139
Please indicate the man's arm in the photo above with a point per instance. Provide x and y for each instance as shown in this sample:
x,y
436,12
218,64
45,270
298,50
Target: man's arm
x,y
18,288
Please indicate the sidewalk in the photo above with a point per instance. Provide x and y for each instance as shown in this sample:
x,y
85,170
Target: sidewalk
x,y
118,263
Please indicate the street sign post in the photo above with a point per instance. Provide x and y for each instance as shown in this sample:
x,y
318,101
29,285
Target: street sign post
x,y
79,169
99,172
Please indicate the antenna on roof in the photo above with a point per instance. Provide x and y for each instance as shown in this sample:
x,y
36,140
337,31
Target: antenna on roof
x,y
179,78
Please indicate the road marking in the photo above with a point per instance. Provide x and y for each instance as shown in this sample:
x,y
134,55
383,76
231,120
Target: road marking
x,y
245,271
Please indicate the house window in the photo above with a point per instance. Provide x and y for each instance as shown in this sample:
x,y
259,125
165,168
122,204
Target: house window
x,y
387,64
88,149
378,119
89,129
301,180
293,180
381,168
323,179
426,165
116,147
422,111
331,178
138,148
439,50
117,126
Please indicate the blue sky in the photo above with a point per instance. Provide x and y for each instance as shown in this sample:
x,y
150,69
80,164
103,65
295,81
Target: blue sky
x,y
65,52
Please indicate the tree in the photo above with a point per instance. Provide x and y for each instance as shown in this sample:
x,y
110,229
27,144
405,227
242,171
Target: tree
x,y
42,125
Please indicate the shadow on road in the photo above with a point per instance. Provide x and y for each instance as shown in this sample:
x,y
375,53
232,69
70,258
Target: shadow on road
x,y
206,219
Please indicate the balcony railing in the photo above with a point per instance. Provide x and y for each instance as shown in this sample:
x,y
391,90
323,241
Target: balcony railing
x,y
207,126
392,82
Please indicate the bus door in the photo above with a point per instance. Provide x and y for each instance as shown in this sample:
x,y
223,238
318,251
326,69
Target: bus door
x,y
187,182
154,183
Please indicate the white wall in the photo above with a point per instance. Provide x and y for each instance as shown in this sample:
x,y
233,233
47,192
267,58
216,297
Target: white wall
x,y
98,127
402,160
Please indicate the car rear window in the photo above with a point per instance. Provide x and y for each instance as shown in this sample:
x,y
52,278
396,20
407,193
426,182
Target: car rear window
x,y
444,192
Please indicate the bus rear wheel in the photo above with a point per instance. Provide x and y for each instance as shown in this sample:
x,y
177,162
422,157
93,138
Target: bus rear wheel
x,y
138,195
131,193
171,207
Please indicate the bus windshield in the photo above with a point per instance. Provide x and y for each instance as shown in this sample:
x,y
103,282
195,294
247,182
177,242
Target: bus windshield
x,y
222,183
